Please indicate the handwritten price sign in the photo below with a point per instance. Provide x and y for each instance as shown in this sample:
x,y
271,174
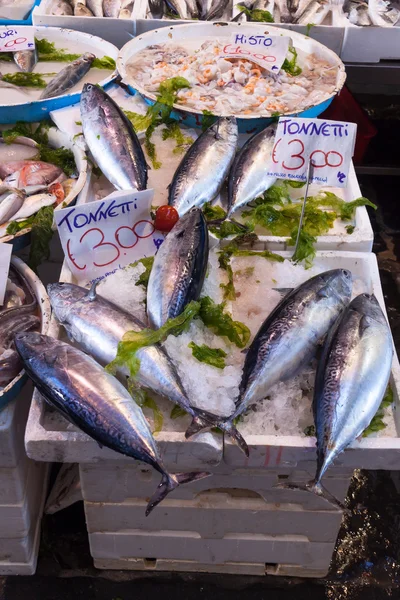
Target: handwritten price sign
x,y
108,234
268,51
328,145
12,39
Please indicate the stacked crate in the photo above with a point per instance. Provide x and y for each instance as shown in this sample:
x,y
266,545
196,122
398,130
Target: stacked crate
x,y
22,491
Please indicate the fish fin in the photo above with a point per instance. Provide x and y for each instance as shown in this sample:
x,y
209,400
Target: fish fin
x,y
229,428
92,294
207,420
315,487
196,425
168,483
283,291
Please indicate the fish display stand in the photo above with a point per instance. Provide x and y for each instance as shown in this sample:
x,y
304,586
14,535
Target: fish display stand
x,y
238,520
23,487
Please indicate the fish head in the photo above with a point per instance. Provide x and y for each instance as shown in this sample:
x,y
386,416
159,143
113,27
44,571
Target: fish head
x,y
62,296
368,306
91,97
226,128
32,345
87,57
340,282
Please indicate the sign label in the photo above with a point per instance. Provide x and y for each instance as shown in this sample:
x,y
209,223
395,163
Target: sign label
x,y
268,51
328,145
107,234
12,41
5,258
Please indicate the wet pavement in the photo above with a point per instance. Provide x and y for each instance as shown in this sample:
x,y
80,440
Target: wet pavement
x,y
366,562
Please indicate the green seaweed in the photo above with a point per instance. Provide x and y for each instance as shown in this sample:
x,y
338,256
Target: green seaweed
x,y
221,323
211,356
147,262
377,423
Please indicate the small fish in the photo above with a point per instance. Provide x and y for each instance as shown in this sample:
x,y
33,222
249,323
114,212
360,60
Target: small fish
x,y
315,13
60,8
10,203
248,178
81,10
205,166
96,402
179,269
177,7
192,9
34,174
68,76
34,203
111,8
112,140
25,60
96,6
288,338
382,13
286,17
156,8
217,10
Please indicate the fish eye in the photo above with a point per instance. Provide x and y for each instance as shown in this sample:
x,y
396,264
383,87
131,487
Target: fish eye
x,y
347,274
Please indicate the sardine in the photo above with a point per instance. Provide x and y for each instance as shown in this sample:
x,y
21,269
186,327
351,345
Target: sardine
x,y
156,8
179,269
288,338
97,326
81,10
10,203
205,166
178,7
112,140
111,8
217,10
96,6
286,17
34,203
25,60
192,8
96,402
248,176
68,76
60,8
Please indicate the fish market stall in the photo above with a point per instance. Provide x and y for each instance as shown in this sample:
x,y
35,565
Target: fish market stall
x,y
52,75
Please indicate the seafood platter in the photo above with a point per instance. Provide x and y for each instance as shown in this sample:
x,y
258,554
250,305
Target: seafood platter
x,y
39,173
35,82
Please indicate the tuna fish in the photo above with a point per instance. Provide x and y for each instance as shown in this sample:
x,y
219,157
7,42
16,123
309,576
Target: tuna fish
x,y
288,338
68,76
205,166
179,269
248,177
112,140
96,402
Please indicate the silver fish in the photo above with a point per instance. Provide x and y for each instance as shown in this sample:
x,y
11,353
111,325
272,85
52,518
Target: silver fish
x,y
382,13
68,76
60,8
96,6
248,177
80,10
177,7
217,10
205,166
112,140
34,203
286,17
10,202
25,60
351,380
111,8
76,385
193,9
179,269
288,338
97,326
156,8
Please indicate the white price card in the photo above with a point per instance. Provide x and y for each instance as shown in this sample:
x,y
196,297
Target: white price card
x,y
268,51
12,39
100,237
328,145
5,258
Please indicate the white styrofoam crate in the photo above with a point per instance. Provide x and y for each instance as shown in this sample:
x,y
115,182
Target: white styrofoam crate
x,y
13,481
116,483
115,31
12,428
370,44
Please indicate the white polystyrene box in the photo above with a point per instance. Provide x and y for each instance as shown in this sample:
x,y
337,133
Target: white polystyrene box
x,y
370,44
12,428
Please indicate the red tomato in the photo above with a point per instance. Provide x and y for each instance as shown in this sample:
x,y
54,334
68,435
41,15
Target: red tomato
x,y
166,217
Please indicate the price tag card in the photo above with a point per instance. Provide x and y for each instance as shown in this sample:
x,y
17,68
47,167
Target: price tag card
x,y
5,257
102,236
329,145
12,39
268,51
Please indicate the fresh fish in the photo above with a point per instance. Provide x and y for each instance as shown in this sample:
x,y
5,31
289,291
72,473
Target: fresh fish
x,y
156,8
205,166
34,203
97,326
96,6
11,86
288,338
382,13
68,76
178,7
81,10
10,203
192,9
15,156
248,176
350,383
286,17
111,8
217,10
96,402
25,60
60,8
302,6
112,140
179,269
34,173
315,13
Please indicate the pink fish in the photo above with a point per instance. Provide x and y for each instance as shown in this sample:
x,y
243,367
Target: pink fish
x,y
34,173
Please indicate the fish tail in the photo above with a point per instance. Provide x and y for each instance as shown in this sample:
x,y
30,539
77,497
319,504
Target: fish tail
x,y
206,421
315,487
170,482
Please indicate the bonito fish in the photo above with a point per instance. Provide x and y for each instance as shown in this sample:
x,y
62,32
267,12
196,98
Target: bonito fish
x,y
96,402
288,338
68,76
179,269
248,177
205,166
112,140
